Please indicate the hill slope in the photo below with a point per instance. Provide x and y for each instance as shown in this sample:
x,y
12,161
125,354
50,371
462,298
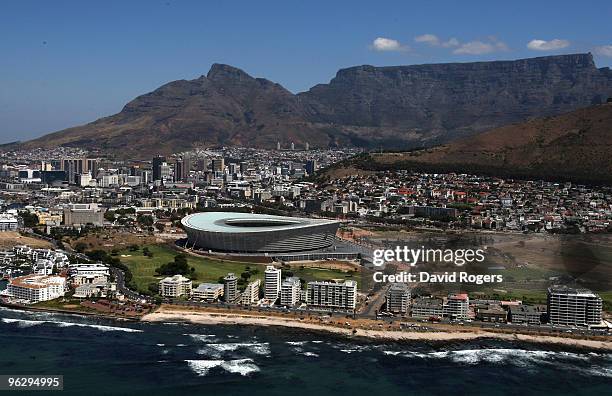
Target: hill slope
x,y
399,106
574,146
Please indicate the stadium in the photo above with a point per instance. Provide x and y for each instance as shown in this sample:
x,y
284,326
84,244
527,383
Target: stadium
x,y
257,233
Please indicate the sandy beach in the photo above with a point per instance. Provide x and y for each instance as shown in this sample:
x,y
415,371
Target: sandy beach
x,y
171,314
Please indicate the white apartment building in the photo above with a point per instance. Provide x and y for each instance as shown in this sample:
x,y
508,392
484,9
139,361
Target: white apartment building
x,y
8,222
208,292
398,298
290,291
577,307
272,283
251,293
230,287
457,306
36,288
175,286
332,295
88,269
88,279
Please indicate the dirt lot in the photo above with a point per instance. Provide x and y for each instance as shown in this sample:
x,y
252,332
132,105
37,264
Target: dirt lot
x,y
331,264
109,240
9,239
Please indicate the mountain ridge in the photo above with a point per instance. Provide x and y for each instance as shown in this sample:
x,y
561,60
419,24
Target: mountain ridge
x,y
367,106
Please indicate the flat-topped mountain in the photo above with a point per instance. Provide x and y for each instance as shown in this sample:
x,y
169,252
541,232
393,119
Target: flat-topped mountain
x,y
367,106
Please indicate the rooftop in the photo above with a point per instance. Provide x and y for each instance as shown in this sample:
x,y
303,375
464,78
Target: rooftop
x,y
247,222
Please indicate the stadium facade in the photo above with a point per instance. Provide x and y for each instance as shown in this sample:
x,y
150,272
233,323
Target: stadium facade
x,y
257,233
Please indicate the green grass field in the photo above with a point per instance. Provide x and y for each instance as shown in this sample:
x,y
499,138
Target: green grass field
x,y
208,270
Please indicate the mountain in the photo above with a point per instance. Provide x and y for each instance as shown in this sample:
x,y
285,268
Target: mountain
x,y
367,106
572,146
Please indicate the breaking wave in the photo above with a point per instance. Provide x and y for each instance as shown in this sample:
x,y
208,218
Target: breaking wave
x,y
29,323
217,350
243,367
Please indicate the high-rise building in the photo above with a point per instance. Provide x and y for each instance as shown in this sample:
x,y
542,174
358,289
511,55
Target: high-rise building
x,y
398,298
78,166
290,291
218,165
156,165
272,283
457,306
183,167
278,146
230,287
292,146
332,295
311,167
576,307
307,146
202,164
208,292
250,295
243,167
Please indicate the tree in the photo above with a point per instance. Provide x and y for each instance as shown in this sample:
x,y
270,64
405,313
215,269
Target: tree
x,y
80,247
145,220
160,227
153,288
109,215
178,266
29,219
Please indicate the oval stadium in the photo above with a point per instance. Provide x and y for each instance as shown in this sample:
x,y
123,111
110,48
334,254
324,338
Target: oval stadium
x,y
257,233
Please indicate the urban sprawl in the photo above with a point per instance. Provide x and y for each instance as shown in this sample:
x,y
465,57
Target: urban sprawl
x,y
54,194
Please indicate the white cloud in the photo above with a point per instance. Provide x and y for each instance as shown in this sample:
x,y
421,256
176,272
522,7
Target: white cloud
x,y
481,47
543,45
452,42
387,44
604,50
430,39
434,41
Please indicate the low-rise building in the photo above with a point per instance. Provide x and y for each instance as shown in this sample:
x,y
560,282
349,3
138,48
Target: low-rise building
x,y
175,286
36,288
492,313
83,214
88,269
208,292
425,308
525,314
8,222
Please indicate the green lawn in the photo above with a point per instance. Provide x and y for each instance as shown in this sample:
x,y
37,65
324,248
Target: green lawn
x,y
207,269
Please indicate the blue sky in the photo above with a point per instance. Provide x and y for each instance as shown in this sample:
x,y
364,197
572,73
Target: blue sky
x,y
65,63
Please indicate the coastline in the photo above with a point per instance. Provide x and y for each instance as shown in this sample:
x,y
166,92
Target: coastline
x,y
223,318
198,316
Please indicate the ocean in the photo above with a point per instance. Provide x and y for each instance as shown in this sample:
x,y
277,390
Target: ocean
x,y
104,357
